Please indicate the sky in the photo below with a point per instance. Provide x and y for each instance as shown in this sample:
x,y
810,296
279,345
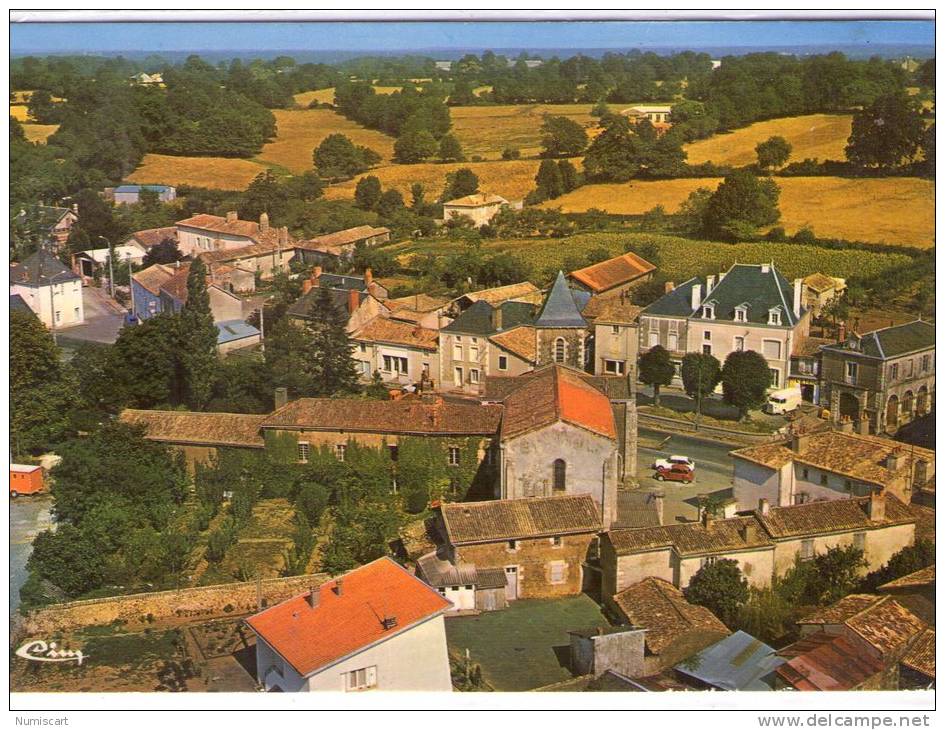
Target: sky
x,y
347,36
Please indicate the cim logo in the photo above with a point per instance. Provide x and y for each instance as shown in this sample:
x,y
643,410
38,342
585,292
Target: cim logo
x,y
40,651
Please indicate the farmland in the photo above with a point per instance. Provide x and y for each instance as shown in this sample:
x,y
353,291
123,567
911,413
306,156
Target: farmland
x,y
39,132
327,96
301,131
18,112
681,258
512,179
223,173
896,210
818,136
487,130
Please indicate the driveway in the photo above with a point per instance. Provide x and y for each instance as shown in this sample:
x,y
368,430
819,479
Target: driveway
x,y
103,320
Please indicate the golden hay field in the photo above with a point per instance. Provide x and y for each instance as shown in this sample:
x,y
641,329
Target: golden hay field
x,y
512,179
896,210
820,136
301,130
39,132
18,112
206,172
327,96
487,130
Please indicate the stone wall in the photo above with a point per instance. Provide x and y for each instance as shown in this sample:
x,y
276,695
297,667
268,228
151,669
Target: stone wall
x,y
229,599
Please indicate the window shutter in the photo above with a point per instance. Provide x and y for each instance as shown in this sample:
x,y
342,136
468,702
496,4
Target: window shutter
x,y
371,678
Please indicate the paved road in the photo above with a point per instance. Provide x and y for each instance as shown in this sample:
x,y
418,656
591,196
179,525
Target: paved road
x,y
713,473
676,398
103,319
28,517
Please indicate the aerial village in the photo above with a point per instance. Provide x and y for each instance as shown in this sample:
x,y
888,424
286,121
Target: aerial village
x,y
309,436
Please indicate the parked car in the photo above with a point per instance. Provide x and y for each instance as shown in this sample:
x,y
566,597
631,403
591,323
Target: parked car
x,y
674,459
783,401
675,473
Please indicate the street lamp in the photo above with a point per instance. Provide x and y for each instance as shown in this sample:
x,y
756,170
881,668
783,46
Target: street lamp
x,y
131,287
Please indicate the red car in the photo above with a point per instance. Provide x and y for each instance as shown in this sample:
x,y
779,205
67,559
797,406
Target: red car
x,y
676,473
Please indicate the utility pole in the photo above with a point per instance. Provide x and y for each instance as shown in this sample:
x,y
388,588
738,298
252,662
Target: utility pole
x,y
111,271
262,327
699,396
131,287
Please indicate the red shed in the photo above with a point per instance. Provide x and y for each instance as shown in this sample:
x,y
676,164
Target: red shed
x,y
26,479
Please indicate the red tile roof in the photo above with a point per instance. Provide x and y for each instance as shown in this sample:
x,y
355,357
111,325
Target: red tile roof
x,y
346,237
508,519
153,236
919,579
154,277
342,623
553,394
613,272
382,329
822,662
191,427
921,655
219,224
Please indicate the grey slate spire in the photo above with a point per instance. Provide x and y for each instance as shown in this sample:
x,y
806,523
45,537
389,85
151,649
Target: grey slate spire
x,y
559,308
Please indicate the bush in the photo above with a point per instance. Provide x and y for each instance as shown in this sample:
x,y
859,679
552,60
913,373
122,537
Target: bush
x,y
511,153
805,235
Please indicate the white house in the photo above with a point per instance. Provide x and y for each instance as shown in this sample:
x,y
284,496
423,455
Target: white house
x,y
480,208
49,288
375,628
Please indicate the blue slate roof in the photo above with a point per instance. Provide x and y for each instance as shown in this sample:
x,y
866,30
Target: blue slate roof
x,y
41,269
18,304
893,341
560,308
478,319
342,281
234,329
737,662
139,188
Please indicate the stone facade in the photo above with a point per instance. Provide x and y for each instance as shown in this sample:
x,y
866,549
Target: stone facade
x,y
549,347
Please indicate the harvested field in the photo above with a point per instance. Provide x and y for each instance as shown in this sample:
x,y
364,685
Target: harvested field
x,y
18,112
487,130
327,96
223,173
818,136
511,179
301,131
895,210
39,132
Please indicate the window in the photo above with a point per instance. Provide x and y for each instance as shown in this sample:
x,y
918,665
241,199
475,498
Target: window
x,y
393,451
707,336
775,377
473,375
560,350
458,376
708,560
453,458
503,362
340,450
474,353
739,344
908,365
848,485
363,347
925,363
613,367
304,450
807,549
740,314
394,364
513,545
823,480
557,571
673,342
560,475
457,352
850,372
654,338
361,679
708,311
894,371
774,316
556,541
75,312
859,540
707,349
615,329
805,473
771,349
58,315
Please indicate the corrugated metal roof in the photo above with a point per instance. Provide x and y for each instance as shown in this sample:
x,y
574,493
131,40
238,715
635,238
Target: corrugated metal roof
x,y
234,329
737,662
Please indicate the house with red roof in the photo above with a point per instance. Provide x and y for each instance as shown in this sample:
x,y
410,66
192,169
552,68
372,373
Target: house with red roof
x,y
375,628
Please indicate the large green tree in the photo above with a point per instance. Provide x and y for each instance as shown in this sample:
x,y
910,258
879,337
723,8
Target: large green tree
x,y
773,152
198,339
745,380
415,146
720,587
367,192
337,158
460,183
331,368
886,134
656,369
562,137
700,374
741,204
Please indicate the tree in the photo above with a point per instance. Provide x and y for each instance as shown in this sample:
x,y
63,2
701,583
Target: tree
x,y
612,155
741,202
198,338
720,587
367,192
265,194
906,561
390,203
569,176
450,149
562,137
700,374
773,152
600,109
42,109
165,252
548,182
337,158
656,369
330,367
143,366
415,146
460,183
745,380
886,133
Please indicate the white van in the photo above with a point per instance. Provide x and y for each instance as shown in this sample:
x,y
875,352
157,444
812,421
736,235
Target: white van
x,y
782,401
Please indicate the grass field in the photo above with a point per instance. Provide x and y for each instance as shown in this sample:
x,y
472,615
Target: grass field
x,y
206,172
301,131
820,136
895,210
679,258
512,179
487,130
39,132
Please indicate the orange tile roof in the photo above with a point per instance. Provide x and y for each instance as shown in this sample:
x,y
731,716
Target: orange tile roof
x,y
557,393
613,272
520,341
154,277
918,579
382,329
508,519
477,200
311,639
500,294
346,237
219,224
190,427
921,655
611,309
153,236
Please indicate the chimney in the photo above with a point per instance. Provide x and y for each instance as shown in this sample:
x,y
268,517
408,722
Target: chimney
x,y
696,296
354,300
707,518
800,442
798,291
842,333
863,427
284,235
306,286
876,510
316,272
766,268
895,460
312,599
263,222
368,277
75,208
282,397
497,317
338,587
749,530
658,498
389,622
231,216
668,287
763,507
709,283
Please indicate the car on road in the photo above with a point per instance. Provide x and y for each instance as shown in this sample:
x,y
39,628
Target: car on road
x,y
675,473
674,459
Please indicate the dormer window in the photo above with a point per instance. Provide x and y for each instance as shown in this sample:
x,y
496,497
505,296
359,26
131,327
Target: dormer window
x,y
708,311
741,314
774,316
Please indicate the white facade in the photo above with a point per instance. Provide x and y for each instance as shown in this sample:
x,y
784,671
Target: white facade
x,y
56,305
414,660
192,241
397,364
